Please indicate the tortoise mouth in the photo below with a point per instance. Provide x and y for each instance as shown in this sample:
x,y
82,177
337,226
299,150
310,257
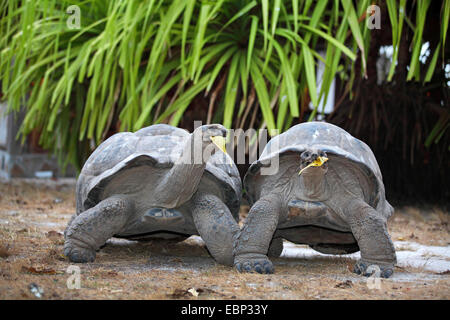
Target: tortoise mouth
x,y
319,163
307,163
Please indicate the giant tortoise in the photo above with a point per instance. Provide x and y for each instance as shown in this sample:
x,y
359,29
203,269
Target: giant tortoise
x,y
327,193
159,182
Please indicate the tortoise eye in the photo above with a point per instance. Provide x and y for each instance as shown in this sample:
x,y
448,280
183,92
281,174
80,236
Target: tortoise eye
x,y
306,154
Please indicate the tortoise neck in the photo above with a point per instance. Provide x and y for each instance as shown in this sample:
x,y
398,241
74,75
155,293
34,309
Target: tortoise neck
x,y
182,180
314,186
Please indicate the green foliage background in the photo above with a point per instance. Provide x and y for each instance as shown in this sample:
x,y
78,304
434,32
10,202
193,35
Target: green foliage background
x,y
138,63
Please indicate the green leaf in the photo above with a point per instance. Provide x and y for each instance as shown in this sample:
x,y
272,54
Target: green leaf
x,y
265,15
226,56
444,25
251,41
239,14
310,74
263,96
331,40
186,21
231,91
432,65
397,27
354,27
200,34
288,78
421,12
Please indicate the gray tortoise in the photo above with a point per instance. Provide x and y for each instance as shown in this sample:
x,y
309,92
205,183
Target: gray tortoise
x,y
149,184
336,207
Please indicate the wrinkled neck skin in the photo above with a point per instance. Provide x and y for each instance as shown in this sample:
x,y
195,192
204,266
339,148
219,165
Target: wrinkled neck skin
x,y
313,185
180,183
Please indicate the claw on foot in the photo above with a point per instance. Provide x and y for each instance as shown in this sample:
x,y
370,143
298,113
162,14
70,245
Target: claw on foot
x,y
263,266
77,254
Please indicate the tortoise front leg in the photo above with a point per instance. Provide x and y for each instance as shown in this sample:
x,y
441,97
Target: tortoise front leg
x,y
88,231
216,226
370,231
253,241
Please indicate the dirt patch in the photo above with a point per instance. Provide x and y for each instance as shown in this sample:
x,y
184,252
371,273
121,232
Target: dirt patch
x,y
33,217
425,226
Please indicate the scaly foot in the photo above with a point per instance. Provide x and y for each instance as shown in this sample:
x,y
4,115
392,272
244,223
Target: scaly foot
x,y
78,254
253,263
367,269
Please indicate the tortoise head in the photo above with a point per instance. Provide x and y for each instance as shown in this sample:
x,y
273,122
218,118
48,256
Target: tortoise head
x,y
209,131
313,161
209,138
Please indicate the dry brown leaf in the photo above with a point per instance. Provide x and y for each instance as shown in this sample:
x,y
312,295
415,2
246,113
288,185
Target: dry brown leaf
x,y
4,252
38,270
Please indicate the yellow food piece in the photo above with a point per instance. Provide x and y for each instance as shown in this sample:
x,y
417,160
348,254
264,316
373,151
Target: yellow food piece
x,y
220,143
316,163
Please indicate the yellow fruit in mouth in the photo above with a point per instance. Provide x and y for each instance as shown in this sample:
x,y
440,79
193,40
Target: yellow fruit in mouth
x,y
316,163
220,143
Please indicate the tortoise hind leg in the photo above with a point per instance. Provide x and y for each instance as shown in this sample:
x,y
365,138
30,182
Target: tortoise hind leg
x,y
88,231
215,225
275,248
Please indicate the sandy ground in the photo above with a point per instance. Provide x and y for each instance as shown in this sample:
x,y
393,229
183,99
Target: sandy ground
x,y
33,216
